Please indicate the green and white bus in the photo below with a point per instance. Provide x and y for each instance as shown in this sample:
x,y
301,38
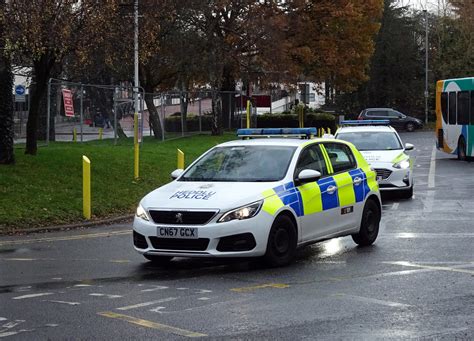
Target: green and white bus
x,y
455,116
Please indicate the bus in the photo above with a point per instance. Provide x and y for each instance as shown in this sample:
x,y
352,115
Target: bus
x,y
455,116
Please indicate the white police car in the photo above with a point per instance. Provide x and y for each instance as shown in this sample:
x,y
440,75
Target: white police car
x,y
382,147
261,197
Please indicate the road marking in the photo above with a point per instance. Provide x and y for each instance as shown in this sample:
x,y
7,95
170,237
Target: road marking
x,y
431,174
406,235
32,295
204,298
157,310
65,238
373,300
62,302
261,286
203,291
395,206
119,261
440,268
156,287
145,304
81,285
151,324
104,295
3,319
21,259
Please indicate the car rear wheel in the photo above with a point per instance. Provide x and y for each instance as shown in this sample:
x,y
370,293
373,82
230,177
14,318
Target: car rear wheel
x,y
158,260
281,246
461,149
410,126
369,227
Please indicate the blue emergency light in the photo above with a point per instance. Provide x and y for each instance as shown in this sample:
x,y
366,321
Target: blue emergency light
x,y
277,132
365,122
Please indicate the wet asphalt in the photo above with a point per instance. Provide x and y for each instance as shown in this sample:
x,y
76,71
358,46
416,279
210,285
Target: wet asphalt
x,y
415,282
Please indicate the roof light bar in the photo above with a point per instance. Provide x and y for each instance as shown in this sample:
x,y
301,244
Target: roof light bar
x,y
277,132
365,122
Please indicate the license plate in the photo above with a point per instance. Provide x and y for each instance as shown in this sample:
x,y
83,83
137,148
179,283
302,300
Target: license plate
x,y
178,232
379,178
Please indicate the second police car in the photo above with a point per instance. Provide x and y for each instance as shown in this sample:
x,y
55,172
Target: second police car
x,y
261,197
382,147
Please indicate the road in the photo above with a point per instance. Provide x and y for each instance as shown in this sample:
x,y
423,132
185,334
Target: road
x,y
417,281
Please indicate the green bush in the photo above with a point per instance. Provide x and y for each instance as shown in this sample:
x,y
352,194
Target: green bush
x,y
173,123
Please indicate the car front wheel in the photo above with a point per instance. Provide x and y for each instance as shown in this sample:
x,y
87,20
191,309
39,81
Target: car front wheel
x,y
281,246
369,227
410,126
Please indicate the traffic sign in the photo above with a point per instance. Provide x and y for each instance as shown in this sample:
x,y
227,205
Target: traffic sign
x,y
68,103
20,93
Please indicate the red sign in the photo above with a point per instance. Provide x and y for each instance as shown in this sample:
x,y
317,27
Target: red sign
x,y
68,104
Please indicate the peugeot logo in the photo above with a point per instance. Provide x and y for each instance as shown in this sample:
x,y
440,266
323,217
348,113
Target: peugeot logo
x,y
179,217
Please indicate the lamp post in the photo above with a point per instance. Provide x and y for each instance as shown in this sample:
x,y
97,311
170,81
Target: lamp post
x,y
135,95
426,66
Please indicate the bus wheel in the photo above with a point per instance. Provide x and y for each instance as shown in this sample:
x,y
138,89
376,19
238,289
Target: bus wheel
x,y
461,149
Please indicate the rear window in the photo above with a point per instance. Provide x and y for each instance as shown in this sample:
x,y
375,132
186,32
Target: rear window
x,y
369,140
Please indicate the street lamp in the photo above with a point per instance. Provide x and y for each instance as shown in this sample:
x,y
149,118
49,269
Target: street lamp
x,y
426,66
135,95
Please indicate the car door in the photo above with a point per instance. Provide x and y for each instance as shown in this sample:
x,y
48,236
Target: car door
x,y
396,119
348,183
317,219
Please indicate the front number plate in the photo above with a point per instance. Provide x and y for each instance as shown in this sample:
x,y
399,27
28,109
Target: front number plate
x,y
178,232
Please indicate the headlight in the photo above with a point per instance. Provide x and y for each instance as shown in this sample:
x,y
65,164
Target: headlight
x,y
141,213
240,213
404,164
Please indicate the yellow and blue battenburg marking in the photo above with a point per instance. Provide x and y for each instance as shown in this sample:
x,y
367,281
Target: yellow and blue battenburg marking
x,y
313,197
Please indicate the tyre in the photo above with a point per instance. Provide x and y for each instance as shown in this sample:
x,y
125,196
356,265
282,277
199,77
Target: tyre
x,y
369,226
281,245
158,260
407,193
461,149
410,126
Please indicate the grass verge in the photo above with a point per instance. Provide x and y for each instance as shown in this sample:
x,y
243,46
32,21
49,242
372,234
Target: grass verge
x,y
46,189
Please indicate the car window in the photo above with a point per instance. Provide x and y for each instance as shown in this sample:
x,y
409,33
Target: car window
x,y
444,106
242,163
452,108
368,140
311,158
340,156
378,113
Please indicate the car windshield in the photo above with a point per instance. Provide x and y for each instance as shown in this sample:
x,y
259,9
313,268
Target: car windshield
x,y
369,140
242,163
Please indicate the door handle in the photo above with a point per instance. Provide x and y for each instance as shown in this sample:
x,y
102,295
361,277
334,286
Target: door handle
x,y
331,189
357,181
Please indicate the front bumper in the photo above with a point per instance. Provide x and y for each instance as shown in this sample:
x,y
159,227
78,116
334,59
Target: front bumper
x,y
393,179
210,235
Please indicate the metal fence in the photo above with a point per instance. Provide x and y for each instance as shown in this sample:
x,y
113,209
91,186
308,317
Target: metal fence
x,y
107,112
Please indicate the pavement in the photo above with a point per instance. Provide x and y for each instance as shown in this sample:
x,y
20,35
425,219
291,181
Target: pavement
x,y
416,281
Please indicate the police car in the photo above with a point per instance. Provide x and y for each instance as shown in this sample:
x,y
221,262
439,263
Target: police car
x,y
382,147
261,197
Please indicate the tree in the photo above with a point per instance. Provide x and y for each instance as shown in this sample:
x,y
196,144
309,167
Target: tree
x,y
43,33
7,155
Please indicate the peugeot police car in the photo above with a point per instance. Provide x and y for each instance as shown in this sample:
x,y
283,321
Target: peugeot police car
x,y
382,147
261,197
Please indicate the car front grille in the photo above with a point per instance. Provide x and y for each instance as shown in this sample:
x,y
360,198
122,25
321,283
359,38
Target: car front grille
x,y
182,217
139,240
199,244
383,173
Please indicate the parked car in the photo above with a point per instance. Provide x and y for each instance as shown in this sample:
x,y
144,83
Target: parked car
x,y
397,119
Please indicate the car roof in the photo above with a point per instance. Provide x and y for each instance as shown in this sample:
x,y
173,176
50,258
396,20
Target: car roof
x,y
368,109
368,128
291,142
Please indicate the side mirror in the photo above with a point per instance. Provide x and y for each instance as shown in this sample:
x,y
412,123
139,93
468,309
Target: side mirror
x,y
176,173
308,175
409,146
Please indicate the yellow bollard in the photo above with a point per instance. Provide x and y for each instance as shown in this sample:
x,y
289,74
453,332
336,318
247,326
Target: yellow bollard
x,y
137,146
329,130
322,132
180,159
101,130
74,135
248,114
86,187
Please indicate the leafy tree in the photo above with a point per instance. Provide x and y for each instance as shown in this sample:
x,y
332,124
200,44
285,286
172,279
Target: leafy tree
x,y
7,155
42,33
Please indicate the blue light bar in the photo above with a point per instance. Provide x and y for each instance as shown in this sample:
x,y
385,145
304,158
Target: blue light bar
x,y
365,122
277,132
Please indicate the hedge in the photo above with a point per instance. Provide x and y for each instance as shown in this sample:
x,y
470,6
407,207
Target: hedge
x,y
318,120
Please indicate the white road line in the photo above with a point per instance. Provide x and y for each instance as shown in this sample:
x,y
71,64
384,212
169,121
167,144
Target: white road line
x,y
32,295
156,287
82,285
3,319
395,206
145,304
104,295
457,268
431,174
8,334
157,310
374,301
204,298
62,302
